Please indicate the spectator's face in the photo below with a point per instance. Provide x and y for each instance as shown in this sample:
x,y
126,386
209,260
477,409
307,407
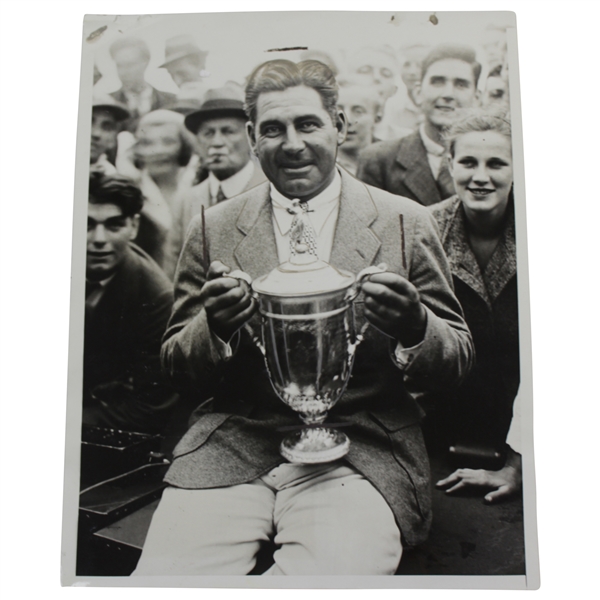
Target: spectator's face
x,y
410,69
223,145
447,87
482,171
360,108
184,70
108,236
158,147
296,141
495,92
104,133
131,65
371,67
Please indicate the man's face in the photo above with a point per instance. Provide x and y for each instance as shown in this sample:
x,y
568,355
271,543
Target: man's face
x,y
447,87
108,236
372,67
223,145
360,105
104,133
184,70
158,147
296,141
131,65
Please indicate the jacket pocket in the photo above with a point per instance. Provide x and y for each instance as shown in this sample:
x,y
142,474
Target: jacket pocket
x,y
394,419
199,432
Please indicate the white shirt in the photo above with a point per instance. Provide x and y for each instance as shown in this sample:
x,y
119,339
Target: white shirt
x,y
435,152
322,213
234,185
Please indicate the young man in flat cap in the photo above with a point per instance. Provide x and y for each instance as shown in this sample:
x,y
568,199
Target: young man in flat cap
x,y
229,487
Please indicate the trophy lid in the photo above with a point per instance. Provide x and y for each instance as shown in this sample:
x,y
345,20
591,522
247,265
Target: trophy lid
x,y
302,278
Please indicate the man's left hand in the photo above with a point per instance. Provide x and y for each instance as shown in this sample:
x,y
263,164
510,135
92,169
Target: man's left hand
x,y
392,304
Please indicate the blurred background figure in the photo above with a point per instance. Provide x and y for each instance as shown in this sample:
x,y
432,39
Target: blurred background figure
x,y
415,165
495,94
220,129
494,46
477,228
128,303
186,64
108,116
411,64
379,68
132,56
161,159
362,106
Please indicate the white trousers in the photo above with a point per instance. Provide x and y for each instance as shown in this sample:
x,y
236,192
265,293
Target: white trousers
x,y
327,520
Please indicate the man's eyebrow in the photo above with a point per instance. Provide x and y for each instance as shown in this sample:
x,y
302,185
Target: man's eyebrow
x,y
461,80
270,123
309,117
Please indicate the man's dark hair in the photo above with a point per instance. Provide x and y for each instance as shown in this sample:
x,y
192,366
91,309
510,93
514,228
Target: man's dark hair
x,y
117,190
130,42
456,51
279,75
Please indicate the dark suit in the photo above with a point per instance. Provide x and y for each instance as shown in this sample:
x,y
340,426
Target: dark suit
x,y
400,167
236,439
123,387
159,100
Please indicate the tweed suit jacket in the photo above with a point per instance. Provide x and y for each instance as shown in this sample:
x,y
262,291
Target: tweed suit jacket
x,y
400,167
237,436
199,196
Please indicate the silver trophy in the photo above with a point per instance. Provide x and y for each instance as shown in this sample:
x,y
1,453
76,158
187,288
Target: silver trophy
x,y
309,341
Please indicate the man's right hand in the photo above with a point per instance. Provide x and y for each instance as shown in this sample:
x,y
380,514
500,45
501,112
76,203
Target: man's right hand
x,y
227,301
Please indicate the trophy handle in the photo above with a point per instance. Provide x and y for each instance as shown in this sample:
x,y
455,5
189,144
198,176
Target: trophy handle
x,y
351,296
242,276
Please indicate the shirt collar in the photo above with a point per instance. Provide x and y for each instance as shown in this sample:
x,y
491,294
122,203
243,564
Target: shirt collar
x,y
431,146
234,185
320,207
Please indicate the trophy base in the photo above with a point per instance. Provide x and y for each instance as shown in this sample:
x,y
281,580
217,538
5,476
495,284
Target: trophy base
x,y
315,445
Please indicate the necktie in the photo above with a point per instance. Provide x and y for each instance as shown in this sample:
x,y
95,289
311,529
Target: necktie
x,y
220,195
445,182
302,235
92,289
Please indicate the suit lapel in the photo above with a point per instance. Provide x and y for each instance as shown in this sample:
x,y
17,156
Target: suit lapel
x,y
256,254
355,246
412,157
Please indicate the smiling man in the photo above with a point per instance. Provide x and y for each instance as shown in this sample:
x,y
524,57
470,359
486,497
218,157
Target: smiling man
x,y
128,302
413,166
230,490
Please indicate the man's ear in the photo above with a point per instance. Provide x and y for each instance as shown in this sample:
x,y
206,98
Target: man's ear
x,y
341,124
135,227
251,135
417,94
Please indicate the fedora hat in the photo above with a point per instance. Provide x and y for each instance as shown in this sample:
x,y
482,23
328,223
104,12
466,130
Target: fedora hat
x,y
108,103
218,102
179,46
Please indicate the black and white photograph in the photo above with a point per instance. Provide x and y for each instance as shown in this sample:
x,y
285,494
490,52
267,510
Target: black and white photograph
x,y
300,340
